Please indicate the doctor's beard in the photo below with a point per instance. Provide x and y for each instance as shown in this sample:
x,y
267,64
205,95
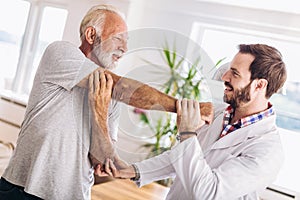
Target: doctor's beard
x,y
240,96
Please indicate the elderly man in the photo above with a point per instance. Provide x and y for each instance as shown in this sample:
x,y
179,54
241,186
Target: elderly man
x,y
57,145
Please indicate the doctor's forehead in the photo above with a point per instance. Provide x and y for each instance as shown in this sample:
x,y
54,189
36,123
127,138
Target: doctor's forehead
x,y
241,62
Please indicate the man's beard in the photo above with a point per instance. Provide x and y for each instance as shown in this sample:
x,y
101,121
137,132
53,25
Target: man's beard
x,y
105,58
239,97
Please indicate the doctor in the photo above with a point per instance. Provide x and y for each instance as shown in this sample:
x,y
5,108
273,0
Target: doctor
x,y
240,152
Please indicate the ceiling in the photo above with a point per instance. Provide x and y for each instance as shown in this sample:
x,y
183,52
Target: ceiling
x,y
291,6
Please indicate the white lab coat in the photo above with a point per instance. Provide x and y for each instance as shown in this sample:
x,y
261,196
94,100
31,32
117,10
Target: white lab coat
x,y
229,168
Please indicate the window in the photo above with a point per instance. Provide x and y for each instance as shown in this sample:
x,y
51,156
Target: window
x,y
23,39
49,32
13,19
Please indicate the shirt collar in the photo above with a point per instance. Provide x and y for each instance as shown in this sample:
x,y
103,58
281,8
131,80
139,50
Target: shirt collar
x,y
257,117
246,121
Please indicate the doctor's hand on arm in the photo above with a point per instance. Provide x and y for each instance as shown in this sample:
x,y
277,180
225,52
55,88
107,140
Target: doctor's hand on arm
x,y
101,146
114,169
188,118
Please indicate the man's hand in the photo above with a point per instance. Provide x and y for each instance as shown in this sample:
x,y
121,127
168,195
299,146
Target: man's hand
x,y
100,87
100,90
207,112
99,170
110,168
188,116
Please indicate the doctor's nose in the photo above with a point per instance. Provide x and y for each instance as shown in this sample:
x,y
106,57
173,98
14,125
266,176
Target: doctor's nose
x,y
226,76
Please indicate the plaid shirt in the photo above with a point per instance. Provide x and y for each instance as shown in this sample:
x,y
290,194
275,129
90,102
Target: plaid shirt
x,y
227,128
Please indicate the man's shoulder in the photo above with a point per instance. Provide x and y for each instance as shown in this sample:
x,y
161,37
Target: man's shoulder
x,y
62,49
61,45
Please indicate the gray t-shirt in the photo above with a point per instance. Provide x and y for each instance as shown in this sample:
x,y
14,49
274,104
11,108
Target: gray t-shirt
x,y
51,157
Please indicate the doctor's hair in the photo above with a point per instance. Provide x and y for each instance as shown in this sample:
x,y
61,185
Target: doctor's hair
x,y
267,64
95,17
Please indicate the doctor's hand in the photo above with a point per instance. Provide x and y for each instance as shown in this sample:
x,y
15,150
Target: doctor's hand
x,y
112,169
188,116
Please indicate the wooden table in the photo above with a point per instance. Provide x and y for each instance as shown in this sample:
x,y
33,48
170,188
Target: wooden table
x,y
123,189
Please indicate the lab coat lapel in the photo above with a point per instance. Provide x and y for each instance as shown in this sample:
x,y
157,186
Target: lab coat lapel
x,y
212,133
232,139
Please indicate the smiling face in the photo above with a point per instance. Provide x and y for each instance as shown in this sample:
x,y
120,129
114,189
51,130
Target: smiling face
x,y
238,86
112,42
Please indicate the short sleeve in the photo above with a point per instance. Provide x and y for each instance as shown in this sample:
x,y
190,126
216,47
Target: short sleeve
x,y
65,65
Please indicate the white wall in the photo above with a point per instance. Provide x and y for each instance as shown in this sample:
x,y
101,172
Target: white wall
x,y
179,15
78,8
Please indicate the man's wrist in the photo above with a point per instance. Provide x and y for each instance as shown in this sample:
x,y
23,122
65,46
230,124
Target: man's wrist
x,y
185,135
136,172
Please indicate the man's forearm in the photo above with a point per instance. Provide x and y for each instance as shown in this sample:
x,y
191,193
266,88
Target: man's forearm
x,y
141,95
100,91
101,146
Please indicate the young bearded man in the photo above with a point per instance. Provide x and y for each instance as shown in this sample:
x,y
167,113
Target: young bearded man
x,y
240,152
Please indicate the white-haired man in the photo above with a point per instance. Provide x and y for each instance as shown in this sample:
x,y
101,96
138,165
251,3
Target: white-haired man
x,y
57,145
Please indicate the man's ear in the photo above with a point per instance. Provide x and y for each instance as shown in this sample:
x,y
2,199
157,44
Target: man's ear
x,y
261,84
90,34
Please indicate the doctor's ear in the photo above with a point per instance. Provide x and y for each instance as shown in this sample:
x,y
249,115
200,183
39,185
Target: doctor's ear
x,y
90,34
261,84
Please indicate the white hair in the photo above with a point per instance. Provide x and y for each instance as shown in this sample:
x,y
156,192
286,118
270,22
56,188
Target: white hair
x,y
95,17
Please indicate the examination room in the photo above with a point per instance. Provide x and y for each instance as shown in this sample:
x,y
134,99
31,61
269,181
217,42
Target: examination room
x,y
149,100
